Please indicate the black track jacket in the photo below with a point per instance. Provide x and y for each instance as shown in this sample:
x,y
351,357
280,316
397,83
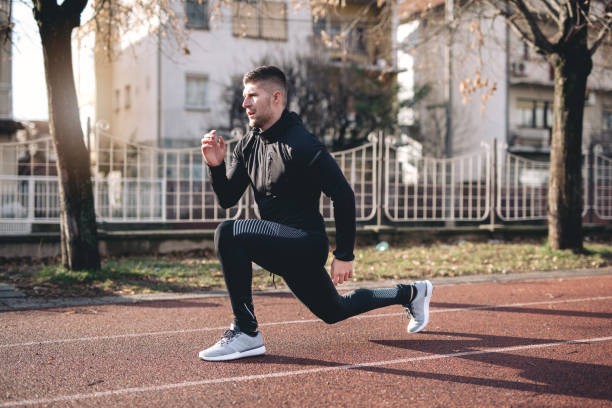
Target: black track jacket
x,y
288,167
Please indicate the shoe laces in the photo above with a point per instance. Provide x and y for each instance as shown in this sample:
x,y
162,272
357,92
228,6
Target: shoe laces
x,y
408,313
228,336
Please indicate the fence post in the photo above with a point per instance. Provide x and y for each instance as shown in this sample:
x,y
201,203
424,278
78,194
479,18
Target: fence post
x,y
31,195
492,183
89,134
379,178
590,204
164,188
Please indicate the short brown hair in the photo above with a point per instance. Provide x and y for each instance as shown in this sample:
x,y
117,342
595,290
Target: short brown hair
x,y
268,73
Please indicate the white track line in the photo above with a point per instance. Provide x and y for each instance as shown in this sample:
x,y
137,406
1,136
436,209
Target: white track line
x,y
485,307
369,316
280,374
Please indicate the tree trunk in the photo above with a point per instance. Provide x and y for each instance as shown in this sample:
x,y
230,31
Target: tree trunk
x,y
79,239
565,195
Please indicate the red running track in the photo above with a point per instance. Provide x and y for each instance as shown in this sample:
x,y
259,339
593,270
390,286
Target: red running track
x,y
545,342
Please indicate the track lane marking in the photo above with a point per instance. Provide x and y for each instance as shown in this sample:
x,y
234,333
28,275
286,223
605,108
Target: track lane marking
x,y
485,307
370,316
280,374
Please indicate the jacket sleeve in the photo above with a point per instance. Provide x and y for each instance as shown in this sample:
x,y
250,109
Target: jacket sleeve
x,y
328,175
229,184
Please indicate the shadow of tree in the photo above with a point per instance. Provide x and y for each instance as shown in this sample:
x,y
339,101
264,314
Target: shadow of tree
x,y
560,377
548,376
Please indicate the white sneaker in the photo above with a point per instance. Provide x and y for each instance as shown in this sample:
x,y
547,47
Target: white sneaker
x,y
419,307
234,344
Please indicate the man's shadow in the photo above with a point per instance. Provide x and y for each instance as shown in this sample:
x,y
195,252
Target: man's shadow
x,y
548,376
560,377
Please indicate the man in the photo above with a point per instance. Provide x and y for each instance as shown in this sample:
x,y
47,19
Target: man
x,y
288,168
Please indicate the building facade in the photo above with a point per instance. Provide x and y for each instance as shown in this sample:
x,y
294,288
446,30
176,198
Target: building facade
x,y
486,83
157,93
8,126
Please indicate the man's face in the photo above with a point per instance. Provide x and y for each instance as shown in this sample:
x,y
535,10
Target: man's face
x,y
258,104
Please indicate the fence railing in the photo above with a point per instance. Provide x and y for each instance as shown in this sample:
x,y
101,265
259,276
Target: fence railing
x,y
139,183
136,183
421,188
360,167
602,170
522,188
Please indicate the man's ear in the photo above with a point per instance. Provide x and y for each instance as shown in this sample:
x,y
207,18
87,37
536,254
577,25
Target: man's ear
x,y
278,96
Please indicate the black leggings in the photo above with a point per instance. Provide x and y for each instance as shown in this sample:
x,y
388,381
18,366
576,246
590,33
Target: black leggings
x,y
299,257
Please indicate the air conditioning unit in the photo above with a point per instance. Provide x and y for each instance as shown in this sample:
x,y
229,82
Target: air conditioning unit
x,y
518,68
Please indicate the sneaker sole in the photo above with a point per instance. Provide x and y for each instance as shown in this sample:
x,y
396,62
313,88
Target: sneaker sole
x,y
425,309
234,356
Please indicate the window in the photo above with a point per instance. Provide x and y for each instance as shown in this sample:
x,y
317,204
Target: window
x,y
353,41
259,19
534,113
117,100
128,96
196,14
356,40
525,113
606,120
196,87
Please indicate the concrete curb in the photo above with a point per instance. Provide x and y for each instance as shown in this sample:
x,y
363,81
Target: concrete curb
x,y
25,303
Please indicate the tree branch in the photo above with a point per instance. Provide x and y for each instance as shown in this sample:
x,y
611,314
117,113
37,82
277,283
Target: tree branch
x,y
602,34
539,39
553,9
525,35
73,8
44,10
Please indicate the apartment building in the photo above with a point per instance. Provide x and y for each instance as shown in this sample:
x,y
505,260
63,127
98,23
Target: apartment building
x,y
8,126
156,93
483,55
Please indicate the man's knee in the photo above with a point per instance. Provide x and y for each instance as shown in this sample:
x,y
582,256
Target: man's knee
x,y
331,319
223,233
329,316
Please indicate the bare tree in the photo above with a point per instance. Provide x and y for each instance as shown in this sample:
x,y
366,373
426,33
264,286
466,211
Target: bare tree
x,y
567,33
56,22
79,240
559,30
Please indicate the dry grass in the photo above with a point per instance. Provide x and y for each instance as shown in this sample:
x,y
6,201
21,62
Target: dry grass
x,y
201,271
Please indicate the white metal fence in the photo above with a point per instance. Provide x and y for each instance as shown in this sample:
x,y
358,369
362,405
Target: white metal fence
x,y
522,188
29,191
602,171
421,188
360,167
139,183
136,183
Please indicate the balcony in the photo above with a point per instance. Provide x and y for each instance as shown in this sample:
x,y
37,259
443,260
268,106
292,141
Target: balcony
x,y
351,50
536,140
530,72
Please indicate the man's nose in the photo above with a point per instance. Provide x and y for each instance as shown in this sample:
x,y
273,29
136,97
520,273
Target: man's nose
x,y
246,103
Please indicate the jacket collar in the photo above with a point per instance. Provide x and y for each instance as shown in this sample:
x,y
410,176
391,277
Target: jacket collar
x,y
277,129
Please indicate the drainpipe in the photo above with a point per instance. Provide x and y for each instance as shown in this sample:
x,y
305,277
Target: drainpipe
x,y
449,73
159,84
507,83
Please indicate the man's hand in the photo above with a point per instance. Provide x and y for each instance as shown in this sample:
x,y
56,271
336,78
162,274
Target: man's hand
x,y
341,271
213,151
